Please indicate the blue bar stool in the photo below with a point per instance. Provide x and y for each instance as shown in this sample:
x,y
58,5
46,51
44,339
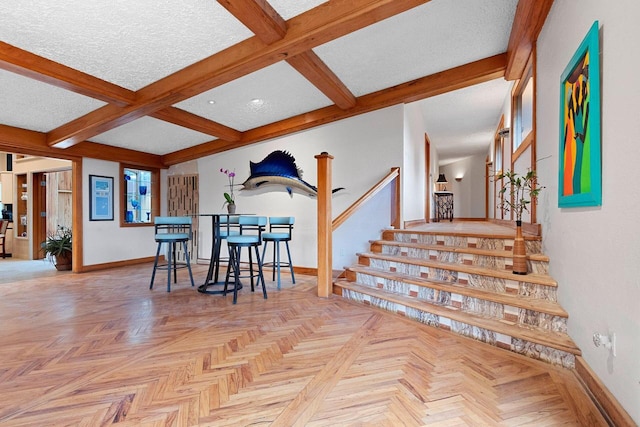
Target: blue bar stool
x,y
276,235
172,230
251,228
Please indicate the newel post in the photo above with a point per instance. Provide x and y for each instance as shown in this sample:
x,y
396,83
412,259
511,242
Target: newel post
x,y
325,230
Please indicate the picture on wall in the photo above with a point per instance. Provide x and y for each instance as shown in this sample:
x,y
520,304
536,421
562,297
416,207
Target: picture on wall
x,y
580,175
100,198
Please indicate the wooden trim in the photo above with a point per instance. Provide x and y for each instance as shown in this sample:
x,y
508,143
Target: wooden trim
x,y
530,229
325,232
77,217
414,223
307,271
393,175
527,24
317,73
427,178
191,121
33,143
396,199
435,84
468,219
38,68
602,397
258,16
310,29
38,223
116,264
528,141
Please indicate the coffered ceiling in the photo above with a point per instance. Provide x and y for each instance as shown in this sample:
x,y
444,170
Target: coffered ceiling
x,y
158,82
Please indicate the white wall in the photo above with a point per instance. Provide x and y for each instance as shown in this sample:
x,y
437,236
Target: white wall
x,y
413,172
106,241
365,148
469,193
595,252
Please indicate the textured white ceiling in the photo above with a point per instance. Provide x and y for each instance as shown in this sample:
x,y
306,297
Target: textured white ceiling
x,y
30,104
463,123
129,43
284,91
433,37
134,43
152,136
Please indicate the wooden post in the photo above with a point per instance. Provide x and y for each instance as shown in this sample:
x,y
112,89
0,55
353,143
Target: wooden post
x,y
325,231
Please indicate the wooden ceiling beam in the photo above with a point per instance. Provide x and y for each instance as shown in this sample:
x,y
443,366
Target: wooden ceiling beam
x,y
185,119
317,26
33,143
268,26
258,16
318,73
435,84
527,24
38,68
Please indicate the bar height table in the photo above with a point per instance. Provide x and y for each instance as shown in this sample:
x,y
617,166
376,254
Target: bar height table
x,y
214,263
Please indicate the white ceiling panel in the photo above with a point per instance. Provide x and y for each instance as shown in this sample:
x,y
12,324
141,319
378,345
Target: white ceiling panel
x,y
464,122
284,92
287,9
430,38
33,105
129,43
152,136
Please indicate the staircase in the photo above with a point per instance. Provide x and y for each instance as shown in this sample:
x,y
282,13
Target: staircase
x,y
463,282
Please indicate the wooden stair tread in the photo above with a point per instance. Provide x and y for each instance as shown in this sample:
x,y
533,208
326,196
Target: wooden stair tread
x,y
459,249
539,279
528,303
492,235
547,338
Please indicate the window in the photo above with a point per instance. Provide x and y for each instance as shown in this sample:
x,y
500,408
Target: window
x,y
140,195
523,112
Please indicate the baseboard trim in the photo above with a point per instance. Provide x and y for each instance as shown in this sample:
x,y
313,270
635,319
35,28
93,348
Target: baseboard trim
x,y
528,228
115,264
609,406
414,223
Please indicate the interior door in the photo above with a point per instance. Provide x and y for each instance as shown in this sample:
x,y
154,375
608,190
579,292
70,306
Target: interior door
x,y
39,214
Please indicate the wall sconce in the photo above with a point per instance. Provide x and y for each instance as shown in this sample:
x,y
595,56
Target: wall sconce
x,y
459,178
442,181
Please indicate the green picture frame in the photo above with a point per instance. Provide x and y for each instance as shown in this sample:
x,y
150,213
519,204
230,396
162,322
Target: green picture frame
x,y
580,164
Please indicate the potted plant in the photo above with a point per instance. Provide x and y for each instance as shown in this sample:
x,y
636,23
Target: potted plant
x,y
229,200
58,248
517,193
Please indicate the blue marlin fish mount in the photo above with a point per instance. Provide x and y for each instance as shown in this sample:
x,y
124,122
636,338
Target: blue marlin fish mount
x,y
279,169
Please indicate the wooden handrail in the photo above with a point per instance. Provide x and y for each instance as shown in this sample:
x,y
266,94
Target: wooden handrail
x,y
394,174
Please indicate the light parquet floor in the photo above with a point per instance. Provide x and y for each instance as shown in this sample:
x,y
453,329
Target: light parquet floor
x,y
100,349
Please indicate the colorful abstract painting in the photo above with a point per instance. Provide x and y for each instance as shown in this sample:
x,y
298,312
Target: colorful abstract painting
x,y
580,177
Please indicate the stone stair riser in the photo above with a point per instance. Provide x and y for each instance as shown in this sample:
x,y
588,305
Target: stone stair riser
x,y
506,243
516,286
495,262
529,349
467,304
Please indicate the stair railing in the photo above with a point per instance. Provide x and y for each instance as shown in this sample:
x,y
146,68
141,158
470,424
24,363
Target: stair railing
x,y
326,226
393,177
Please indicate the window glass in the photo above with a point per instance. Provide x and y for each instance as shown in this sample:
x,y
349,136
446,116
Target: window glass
x,y
138,190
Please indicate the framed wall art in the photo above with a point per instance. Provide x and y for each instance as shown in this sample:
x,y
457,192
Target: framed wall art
x,y
580,165
100,198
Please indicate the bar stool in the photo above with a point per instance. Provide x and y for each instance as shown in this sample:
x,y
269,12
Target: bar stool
x,y
251,228
277,223
172,230
229,226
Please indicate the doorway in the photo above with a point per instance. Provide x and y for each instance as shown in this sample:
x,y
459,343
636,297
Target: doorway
x,y
52,205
